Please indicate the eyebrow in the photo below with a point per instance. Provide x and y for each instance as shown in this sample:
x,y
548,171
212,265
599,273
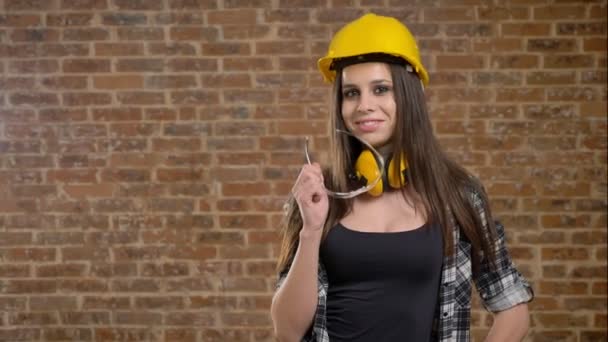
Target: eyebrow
x,y
378,81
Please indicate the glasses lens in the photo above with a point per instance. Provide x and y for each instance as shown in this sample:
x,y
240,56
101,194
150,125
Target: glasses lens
x,y
363,189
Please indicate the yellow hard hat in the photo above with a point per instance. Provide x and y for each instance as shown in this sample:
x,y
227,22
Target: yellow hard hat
x,y
369,34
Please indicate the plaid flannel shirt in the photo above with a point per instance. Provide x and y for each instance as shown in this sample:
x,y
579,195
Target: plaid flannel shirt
x,y
500,288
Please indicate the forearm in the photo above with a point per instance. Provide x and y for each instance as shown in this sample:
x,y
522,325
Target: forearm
x,y
510,325
295,302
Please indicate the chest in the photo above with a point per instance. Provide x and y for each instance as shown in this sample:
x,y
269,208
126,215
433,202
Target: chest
x,y
406,259
386,214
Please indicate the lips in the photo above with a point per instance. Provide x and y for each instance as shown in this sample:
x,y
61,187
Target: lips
x,y
368,125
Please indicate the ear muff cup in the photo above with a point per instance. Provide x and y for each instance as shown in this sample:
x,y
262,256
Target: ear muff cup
x,y
367,170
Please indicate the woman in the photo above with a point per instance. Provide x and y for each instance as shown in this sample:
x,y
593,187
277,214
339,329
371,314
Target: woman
x,y
396,262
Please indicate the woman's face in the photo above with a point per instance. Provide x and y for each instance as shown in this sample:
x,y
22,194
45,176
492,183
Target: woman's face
x,y
368,102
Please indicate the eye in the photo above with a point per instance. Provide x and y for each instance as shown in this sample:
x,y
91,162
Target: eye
x,y
381,89
348,93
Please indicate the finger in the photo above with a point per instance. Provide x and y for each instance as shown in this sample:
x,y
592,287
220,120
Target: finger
x,y
309,172
316,170
313,194
307,188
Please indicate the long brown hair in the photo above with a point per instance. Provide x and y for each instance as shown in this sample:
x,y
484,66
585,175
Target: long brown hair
x,y
441,187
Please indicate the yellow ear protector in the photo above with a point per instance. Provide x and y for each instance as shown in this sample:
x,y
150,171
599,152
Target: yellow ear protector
x,y
367,170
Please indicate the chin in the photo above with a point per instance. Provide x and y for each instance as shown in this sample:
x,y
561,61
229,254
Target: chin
x,y
378,141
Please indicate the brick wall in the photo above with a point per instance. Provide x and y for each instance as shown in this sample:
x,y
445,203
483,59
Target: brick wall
x,y
147,148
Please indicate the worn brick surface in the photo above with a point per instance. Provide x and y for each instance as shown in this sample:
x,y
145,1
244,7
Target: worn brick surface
x,y
146,149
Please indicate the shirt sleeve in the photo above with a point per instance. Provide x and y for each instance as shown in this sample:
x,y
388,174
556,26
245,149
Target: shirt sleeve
x,y
500,287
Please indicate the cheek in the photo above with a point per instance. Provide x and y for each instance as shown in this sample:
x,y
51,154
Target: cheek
x,y
390,106
347,109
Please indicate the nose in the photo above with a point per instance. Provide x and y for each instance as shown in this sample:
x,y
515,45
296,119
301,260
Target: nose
x,y
366,103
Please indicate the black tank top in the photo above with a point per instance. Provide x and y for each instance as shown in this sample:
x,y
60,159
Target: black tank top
x,y
382,286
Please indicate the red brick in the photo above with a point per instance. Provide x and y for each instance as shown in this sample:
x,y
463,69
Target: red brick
x,y
192,4
84,4
245,319
40,66
118,82
192,64
63,50
551,45
225,49
581,28
495,13
86,99
30,286
64,82
497,45
65,270
558,320
140,33
563,253
171,49
559,12
236,80
247,64
249,96
497,78
520,95
464,94
296,64
243,221
597,11
39,318
69,19
35,35
34,98
86,34
468,30
568,61
62,334
198,34
459,62
119,49
526,29
140,98
301,3
159,303
228,17
18,5
188,318
291,32
14,83
287,15
194,97
139,65
280,48
175,81
246,253
86,65
141,5
13,271
551,77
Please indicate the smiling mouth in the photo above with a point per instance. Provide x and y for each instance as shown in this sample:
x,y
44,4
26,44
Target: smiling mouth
x,y
368,123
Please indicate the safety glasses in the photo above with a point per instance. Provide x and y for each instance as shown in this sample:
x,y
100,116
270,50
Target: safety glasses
x,y
363,189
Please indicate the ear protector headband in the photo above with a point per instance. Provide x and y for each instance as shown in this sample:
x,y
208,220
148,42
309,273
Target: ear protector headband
x,y
367,169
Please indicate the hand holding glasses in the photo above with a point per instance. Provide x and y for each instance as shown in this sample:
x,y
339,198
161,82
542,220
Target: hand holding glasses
x,y
363,189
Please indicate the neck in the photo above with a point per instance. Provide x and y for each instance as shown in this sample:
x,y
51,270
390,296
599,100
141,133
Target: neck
x,y
385,151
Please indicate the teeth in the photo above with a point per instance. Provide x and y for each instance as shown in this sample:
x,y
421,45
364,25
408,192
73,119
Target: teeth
x,y
368,123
